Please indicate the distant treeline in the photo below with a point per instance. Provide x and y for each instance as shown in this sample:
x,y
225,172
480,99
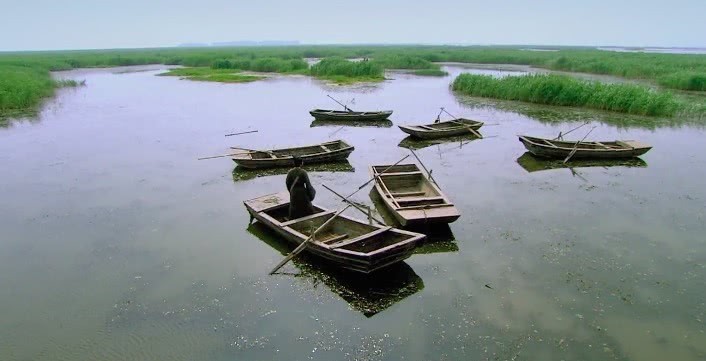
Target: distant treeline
x,y
25,79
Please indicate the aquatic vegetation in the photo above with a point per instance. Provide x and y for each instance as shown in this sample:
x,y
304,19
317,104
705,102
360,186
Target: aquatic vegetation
x,y
430,72
567,91
24,87
342,70
210,74
397,61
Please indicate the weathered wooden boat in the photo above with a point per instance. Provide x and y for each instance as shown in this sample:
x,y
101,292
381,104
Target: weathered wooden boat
x,y
411,197
340,115
532,163
561,149
366,293
442,129
345,242
334,151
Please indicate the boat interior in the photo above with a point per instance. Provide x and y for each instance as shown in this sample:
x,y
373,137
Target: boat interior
x,y
341,232
407,186
582,145
447,124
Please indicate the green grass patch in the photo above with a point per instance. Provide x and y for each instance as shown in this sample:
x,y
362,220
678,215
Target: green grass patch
x,y
430,72
344,71
23,87
210,74
567,91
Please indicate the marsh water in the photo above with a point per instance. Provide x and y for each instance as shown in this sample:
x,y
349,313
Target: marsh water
x,y
118,244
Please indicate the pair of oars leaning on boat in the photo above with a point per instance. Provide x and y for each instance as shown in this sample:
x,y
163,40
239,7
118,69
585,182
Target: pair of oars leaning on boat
x,y
349,203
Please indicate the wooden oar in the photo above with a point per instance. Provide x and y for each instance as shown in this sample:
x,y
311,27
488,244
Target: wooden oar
x,y
425,169
473,131
224,155
304,244
354,205
341,104
249,131
377,176
561,135
576,147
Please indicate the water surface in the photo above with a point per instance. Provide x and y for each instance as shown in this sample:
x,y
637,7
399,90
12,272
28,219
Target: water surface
x,y
118,244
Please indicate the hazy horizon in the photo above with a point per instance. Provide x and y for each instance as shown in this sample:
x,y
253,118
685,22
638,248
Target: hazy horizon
x,y
82,24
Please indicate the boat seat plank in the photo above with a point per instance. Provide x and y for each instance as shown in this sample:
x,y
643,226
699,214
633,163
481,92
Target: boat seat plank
x,y
425,127
418,199
423,206
404,194
360,238
303,219
550,143
334,237
399,173
325,148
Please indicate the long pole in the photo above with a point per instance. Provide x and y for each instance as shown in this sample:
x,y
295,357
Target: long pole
x,y
425,169
249,131
354,205
576,147
304,244
377,176
563,134
341,104
224,155
473,131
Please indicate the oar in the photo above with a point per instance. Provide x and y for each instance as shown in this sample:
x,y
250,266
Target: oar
x,y
304,244
224,155
354,205
341,104
377,176
561,135
576,147
473,131
425,169
249,131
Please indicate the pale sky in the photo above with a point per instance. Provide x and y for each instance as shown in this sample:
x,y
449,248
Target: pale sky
x,y
87,24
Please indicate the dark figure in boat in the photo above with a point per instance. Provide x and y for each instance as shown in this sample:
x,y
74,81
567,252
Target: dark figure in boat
x,y
301,192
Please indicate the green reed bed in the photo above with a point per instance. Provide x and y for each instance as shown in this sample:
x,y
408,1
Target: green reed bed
x,y
430,72
211,74
567,91
343,71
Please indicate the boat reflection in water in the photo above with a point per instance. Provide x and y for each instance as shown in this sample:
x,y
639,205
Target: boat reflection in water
x,y
241,174
533,164
440,238
415,144
351,123
368,294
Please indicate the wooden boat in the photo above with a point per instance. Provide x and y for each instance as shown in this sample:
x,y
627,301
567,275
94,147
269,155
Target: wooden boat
x,y
411,197
368,294
586,150
531,163
442,129
346,242
334,151
327,114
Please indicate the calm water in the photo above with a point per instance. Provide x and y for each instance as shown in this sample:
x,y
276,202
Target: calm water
x,y
117,244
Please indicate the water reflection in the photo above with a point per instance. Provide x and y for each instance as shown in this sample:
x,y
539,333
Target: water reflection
x,y
349,123
416,144
368,294
241,174
533,164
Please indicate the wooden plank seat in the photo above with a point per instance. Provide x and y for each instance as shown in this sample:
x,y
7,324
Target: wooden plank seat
x,y
404,194
387,174
418,199
361,238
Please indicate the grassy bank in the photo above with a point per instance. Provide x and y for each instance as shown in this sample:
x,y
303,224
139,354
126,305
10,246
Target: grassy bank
x,y
566,91
25,79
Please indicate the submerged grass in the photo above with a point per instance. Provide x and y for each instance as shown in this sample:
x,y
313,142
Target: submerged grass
x,y
567,91
430,72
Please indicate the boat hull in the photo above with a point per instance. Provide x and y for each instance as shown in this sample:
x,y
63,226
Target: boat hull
x,y
561,150
347,259
441,130
335,115
283,157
